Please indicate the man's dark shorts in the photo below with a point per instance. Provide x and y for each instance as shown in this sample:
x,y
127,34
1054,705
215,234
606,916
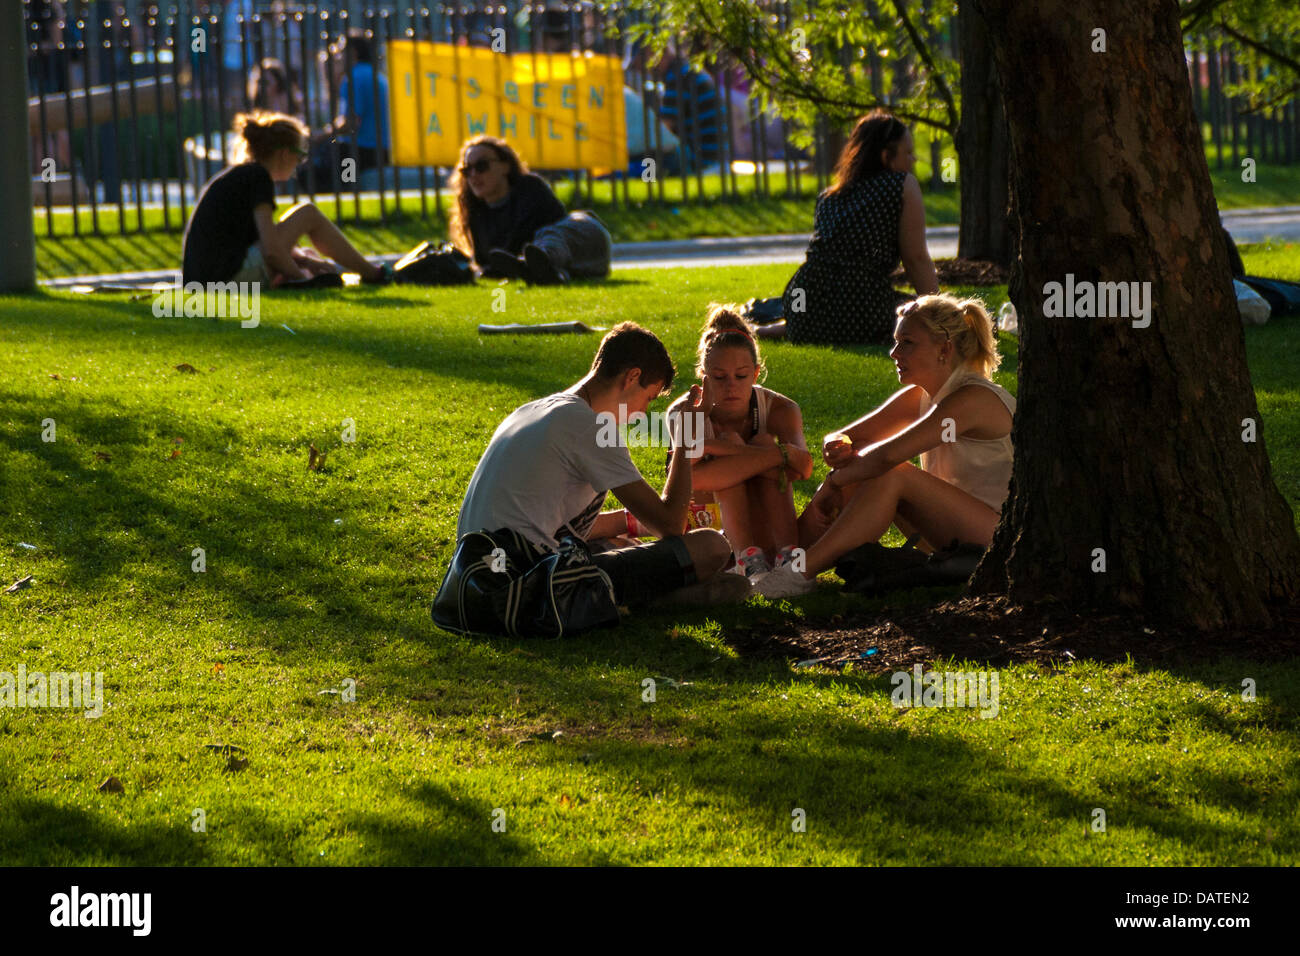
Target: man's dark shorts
x,y
647,571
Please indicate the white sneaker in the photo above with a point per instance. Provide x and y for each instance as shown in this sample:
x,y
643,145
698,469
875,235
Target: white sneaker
x,y
785,581
784,556
753,563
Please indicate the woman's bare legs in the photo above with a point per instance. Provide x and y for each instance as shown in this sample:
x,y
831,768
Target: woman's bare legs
x,y
756,513
930,505
305,219
733,502
773,511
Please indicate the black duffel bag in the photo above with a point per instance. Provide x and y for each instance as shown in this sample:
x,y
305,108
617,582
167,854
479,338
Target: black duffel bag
x,y
874,569
428,264
498,583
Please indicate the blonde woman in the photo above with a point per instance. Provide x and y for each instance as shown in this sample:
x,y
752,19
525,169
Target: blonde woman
x,y
753,446
233,235
950,413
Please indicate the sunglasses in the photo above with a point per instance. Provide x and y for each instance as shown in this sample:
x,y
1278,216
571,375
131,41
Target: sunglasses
x,y
479,166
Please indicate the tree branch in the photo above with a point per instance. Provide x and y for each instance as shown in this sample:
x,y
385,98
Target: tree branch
x,y
1198,10
1273,54
923,50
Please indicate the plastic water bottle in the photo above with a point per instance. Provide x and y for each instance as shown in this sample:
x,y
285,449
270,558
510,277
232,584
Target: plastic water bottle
x,y
1008,321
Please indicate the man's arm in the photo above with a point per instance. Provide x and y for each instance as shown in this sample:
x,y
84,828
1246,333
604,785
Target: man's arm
x,y
666,515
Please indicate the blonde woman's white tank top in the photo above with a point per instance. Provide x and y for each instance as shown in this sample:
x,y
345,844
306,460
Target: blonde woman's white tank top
x,y
981,467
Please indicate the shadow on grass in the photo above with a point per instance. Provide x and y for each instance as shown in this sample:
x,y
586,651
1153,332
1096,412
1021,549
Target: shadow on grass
x,y
36,832
454,830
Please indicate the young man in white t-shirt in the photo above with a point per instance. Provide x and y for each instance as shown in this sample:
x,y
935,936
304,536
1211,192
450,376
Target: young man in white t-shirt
x,y
546,471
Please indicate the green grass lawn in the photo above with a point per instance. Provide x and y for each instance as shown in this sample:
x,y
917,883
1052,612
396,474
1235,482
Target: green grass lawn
x,y
317,579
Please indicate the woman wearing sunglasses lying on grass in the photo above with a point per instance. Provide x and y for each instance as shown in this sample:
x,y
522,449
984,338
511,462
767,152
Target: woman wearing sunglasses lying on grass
x,y
510,223
950,413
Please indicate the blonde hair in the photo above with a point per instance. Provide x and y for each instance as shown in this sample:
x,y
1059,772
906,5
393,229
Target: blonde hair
x,y
725,327
965,323
262,134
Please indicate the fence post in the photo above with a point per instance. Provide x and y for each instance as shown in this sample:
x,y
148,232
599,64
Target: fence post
x,y
18,262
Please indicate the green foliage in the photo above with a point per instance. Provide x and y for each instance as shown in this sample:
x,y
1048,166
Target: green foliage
x,y
1265,34
816,58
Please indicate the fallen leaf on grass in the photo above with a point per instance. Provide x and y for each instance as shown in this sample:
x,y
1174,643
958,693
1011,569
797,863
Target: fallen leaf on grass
x,y
218,670
565,801
111,785
19,585
188,368
541,735
178,441
315,459
176,453
103,456
55,376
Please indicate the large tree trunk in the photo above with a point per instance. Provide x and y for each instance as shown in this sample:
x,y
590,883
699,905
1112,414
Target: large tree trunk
x,y
1128,439
985,231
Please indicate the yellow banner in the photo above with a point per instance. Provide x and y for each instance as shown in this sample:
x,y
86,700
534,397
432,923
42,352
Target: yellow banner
x,y
558,111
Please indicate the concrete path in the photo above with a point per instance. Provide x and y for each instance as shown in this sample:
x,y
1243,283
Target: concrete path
x,y
1245,225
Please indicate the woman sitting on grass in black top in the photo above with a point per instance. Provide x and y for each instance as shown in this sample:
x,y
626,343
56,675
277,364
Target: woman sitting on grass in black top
x,y
232,235
510,223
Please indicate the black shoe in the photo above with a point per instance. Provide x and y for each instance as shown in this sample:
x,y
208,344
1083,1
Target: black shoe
x,y
326,280
541,271
502,263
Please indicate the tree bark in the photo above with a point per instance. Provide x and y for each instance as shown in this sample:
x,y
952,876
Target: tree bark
x,y
981,140
1128,439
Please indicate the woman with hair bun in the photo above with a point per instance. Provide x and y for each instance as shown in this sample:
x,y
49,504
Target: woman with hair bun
x,y
950,413
872,217
232,235
753,447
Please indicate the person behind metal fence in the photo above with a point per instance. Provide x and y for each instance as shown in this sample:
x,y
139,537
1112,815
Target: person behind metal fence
x,y
511,224
865,222
272,87
691,107
232,234
360,131
753,446
950,413
548,468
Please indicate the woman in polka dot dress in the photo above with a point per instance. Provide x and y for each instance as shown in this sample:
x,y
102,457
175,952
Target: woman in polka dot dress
x,y
865,223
